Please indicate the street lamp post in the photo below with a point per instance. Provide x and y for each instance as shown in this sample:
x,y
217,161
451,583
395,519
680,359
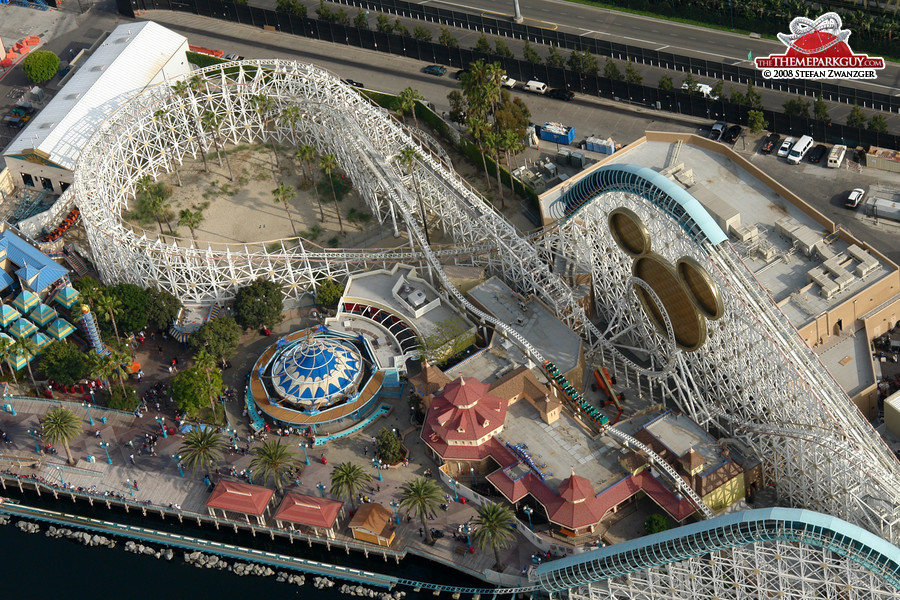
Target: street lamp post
x,y
305,455
467,530
378,465
472,471
177,459
37,444
105,446
528,510
60,477
87,408
130,487
162,425
321,488
8,407
396,506
455,487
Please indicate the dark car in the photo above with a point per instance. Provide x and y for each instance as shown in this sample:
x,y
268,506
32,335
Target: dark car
x,y
770,143
561,94
460,73
435,70
732,134
353,83
816,154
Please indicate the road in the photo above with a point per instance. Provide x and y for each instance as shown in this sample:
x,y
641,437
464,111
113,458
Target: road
x,y
678,38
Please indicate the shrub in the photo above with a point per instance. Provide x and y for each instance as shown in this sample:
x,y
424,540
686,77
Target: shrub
x,y
389,449
656,523
258,304
40,66
119,401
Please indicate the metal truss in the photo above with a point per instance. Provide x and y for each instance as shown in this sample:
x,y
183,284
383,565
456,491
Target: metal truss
x,y
754,378
753,371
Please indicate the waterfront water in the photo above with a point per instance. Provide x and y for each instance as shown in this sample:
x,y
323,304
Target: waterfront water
x,y
33,565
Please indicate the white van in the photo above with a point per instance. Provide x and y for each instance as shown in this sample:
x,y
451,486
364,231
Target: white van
x,y
536,86
703,89
800,149
836,156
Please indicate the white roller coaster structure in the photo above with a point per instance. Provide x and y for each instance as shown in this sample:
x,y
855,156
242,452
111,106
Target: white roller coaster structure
x,y
754,378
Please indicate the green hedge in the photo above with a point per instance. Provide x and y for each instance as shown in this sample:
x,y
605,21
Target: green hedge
x,y
203,60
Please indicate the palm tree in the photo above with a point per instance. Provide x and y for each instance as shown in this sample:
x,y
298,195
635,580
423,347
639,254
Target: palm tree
x,y
264,105
28,349
421,497
61,426
283,193
307,153
120,355
495,528
407,103
90,290
192,219
408,157
206,362
162,116
211,120
105,367
291,116
492,143
348,480
274,459
328,163
182,89
479,127
110,305
7,354
201,448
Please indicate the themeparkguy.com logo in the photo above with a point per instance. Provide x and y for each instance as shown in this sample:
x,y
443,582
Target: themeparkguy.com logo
x,y
818,50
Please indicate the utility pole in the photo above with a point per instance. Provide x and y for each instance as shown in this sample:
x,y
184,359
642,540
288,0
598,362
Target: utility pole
x,y
518,18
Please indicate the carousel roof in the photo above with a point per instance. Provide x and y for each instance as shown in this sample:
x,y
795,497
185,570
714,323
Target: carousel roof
x,y
315,369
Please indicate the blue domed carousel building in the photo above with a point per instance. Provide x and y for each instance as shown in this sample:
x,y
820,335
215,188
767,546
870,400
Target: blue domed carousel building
x,y
319,380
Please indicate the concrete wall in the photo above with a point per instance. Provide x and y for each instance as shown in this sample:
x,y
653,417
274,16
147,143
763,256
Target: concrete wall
x,y
56,175
726,494
7,185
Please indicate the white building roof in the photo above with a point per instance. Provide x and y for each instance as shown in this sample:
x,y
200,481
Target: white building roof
x,y
125,63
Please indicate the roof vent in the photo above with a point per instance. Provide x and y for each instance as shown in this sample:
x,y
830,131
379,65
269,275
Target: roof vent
x,y
47,125
73,96
98,67
416,298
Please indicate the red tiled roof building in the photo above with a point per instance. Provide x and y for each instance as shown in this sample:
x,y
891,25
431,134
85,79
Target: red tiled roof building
x,y
236,497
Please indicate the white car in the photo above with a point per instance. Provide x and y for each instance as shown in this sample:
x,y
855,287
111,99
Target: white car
x,y
507,81
854,197
786,146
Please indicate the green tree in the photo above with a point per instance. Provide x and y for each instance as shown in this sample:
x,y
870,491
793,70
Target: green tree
x,y
447,39
64,363
89,288
134,301
448,339
690,84
192,219
219,337
61,426
756,121
104,367
483,45
274,460
360,21
282,195
383,24
206,362
342,17
109,305
737,97
329,292
611,71
7,355
501,49
586,63
752,97
530,54
307,153
555,59
27,348
193,387
293,7
40,66
495,524
389,449
797,107
665,83
202,448
878,124
408,158
348,480
420,497
718,89
632,75
406,103
656,523
162,308
458,106
820,109
258,304
421,33
323,12
856,118
328,164
400,28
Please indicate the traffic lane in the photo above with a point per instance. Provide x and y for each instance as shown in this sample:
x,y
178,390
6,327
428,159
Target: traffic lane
x,y
657,34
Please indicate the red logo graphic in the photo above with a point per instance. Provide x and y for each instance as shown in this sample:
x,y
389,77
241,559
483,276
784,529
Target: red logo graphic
x,y
820,46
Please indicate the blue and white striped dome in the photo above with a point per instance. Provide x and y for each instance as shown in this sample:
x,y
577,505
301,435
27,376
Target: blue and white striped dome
x,y
314,371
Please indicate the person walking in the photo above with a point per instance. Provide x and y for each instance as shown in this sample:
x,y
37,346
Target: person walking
x,y
131,458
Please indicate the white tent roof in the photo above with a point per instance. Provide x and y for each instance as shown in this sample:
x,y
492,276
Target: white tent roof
x,y
124,64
